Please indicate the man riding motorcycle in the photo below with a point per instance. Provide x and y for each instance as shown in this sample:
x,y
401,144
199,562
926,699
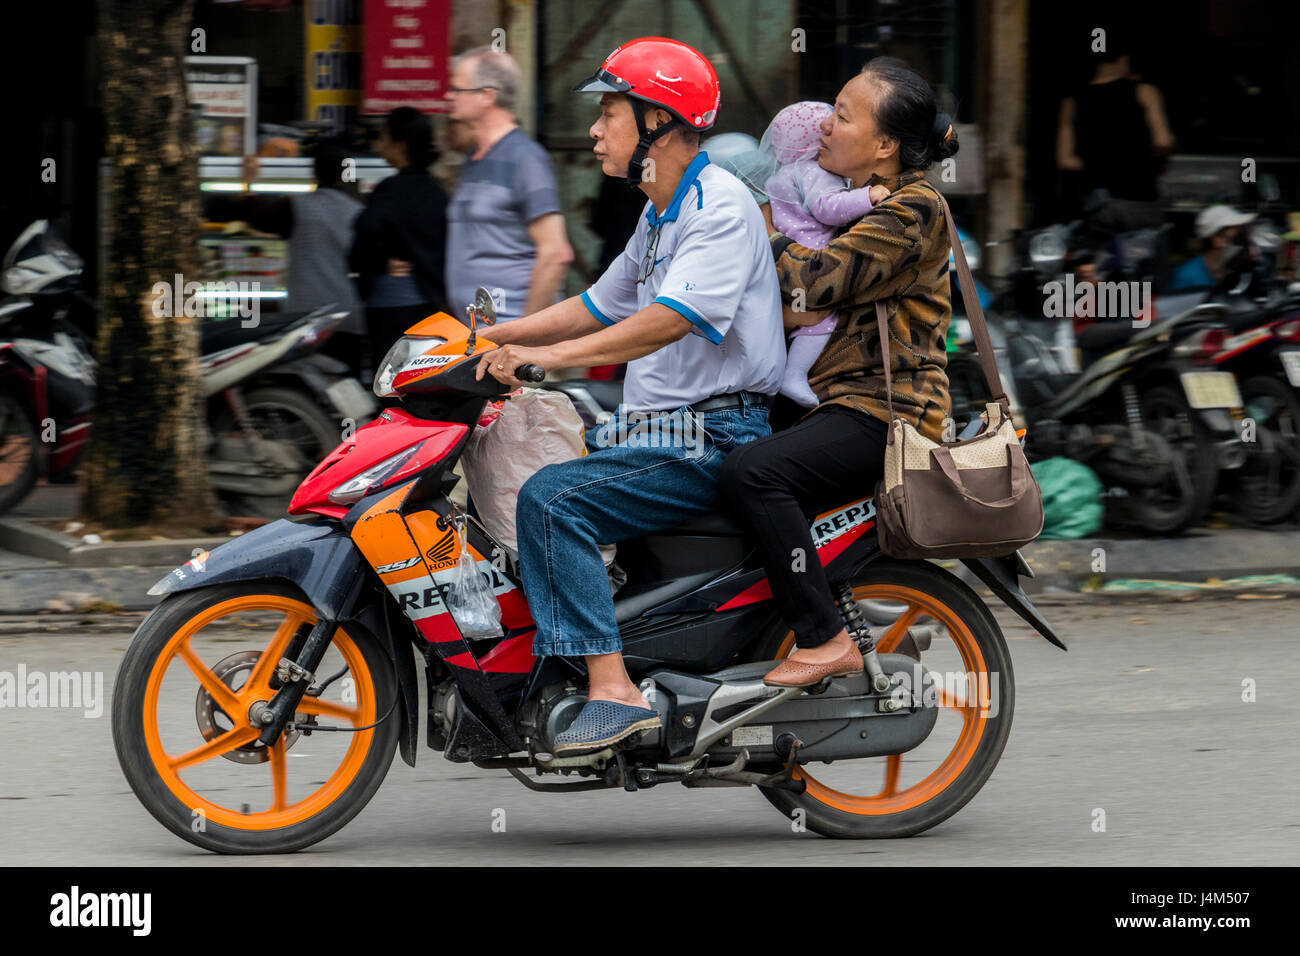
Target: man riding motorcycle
x,y
693,306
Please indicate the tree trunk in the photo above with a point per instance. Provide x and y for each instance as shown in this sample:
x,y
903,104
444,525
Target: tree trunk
x,y
145,464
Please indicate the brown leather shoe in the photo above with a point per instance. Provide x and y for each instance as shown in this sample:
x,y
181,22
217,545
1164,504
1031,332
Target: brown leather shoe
x,y
796,674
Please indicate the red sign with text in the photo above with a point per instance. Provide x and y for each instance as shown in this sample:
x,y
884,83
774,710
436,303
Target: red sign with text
x,y
406,55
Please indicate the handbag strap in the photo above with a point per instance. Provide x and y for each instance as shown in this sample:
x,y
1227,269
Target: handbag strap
x,y
942,456
974,314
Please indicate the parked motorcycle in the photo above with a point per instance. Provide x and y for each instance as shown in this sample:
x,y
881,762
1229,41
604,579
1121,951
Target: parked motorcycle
x,y
276,405
1148,415
47,375
1263,350
323,610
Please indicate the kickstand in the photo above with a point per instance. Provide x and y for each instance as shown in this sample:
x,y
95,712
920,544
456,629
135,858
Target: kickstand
x,y
783,779
629,781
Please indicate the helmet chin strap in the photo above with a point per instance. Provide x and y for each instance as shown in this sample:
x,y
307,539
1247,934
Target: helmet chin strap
x,y
634,167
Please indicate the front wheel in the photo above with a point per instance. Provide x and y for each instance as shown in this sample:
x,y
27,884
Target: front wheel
x,y
293,419
19,452
1268,485
944,624
184,738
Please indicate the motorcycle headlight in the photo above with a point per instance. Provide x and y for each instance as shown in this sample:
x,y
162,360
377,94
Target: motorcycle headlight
x,y
1047,250
352,490
399,356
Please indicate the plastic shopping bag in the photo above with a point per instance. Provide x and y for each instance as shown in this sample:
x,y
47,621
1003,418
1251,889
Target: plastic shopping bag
x,y
470,599
536,427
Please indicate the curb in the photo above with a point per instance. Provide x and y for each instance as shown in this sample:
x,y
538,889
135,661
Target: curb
x,y
31,539
1197,556
32,590
1061,568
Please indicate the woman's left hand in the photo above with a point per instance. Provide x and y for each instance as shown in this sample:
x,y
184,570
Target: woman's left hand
x,y
767,217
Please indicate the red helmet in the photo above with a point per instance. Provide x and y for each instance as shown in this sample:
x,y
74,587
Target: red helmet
x,y
665,73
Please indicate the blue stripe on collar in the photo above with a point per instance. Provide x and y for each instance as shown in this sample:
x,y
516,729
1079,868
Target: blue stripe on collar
x,y
689,179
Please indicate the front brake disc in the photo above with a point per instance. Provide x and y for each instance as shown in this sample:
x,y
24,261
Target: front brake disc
x,y
213,721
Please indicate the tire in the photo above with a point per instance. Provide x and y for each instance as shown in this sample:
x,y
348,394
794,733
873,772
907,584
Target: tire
x,y
137,730
283,414
1268,502
1144,508
1166,412
19,452
846,816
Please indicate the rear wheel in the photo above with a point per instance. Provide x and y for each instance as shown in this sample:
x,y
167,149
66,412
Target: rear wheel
x,y
189,749
904,794
1180,501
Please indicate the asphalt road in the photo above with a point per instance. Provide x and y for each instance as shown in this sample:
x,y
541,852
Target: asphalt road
x,y
1143,718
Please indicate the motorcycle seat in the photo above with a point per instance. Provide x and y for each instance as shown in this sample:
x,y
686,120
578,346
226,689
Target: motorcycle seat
x,y
709,524
1102,336
216,335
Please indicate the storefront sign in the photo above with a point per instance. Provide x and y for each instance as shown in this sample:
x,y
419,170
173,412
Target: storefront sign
x,y
333,68
406,55
223,92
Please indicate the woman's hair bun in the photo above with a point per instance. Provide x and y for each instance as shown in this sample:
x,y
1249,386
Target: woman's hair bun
x,y
943,138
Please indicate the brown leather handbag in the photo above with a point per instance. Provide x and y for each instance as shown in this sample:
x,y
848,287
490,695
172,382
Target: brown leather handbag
x,y
975,498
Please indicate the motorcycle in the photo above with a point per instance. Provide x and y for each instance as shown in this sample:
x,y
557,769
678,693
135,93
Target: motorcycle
x,y
1147,415
326,607
1141,405
1263,350
47,375
267,389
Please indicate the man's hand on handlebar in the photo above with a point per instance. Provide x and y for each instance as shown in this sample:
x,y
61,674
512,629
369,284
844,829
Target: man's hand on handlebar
x,y
503,363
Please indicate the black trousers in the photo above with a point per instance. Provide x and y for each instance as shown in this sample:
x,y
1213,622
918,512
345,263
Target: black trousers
x,y
777,484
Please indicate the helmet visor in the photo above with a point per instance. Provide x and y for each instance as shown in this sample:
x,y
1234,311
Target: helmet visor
x,y
602,81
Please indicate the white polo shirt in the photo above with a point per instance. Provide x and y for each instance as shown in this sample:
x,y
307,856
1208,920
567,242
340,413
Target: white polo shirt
x,y
713,265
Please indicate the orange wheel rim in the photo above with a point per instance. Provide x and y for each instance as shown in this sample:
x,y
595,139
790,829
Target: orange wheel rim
x,y
890,799
236,703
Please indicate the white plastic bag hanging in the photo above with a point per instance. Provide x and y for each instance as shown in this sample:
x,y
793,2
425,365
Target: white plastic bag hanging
x,y
469,596
536,427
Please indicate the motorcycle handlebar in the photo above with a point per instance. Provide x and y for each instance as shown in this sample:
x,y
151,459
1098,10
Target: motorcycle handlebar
x,y
529,372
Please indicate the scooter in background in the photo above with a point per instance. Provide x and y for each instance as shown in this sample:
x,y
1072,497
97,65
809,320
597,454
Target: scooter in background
x,y
275,405
47,374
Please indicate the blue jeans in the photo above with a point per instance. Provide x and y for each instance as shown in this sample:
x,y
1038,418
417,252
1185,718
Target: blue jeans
x,y
629,484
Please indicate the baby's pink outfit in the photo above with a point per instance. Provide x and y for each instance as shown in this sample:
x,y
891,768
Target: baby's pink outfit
x,y
807,204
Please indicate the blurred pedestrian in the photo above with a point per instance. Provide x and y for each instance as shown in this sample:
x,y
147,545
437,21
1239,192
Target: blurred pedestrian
x,y
318,225
1114,133
505,228
401,234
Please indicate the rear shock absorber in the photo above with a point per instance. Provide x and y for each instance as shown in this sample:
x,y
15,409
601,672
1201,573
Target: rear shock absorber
x,y
856,625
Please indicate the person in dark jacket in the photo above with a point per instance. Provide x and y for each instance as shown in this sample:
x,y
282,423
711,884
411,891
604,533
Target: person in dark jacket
x,y
401,235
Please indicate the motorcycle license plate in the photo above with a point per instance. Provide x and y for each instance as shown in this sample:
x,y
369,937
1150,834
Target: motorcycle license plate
x,y
1291,363
1211,389
351,399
